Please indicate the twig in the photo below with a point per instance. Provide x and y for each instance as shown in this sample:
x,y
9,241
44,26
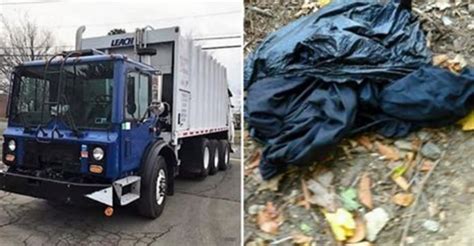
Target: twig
x,y
415,174
304,187
415,202
263,12
276,242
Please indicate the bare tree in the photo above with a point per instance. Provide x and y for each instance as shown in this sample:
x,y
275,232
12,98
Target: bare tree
x,y
22,41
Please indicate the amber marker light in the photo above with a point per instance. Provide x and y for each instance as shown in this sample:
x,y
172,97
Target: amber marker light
x,y
96,169
10,157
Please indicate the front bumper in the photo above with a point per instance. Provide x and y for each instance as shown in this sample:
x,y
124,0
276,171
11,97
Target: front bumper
x,y
55,190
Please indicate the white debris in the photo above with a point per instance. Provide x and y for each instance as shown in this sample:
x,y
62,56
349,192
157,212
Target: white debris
x,y
431,225
376,220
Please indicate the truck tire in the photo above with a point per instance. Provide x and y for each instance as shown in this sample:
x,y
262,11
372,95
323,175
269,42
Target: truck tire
x,y
224,154
214,162
202,156
154,177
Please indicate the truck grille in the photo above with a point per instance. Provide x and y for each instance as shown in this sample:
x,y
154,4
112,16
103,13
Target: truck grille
x,y
52,155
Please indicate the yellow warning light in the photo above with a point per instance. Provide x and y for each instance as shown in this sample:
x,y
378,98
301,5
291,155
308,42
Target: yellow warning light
x,y
10,157
96,169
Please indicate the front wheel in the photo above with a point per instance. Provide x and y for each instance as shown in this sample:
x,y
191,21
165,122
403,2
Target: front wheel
x,y
154,178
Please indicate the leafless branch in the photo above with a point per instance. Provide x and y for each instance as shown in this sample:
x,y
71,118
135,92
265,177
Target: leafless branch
x,y
23,41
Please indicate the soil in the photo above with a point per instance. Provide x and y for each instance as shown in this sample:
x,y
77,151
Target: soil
x,y
447,198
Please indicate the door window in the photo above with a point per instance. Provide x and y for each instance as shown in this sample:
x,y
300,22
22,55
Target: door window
x,y
138,95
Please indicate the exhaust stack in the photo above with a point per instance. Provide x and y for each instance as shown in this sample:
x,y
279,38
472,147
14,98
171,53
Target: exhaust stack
x,y
79,33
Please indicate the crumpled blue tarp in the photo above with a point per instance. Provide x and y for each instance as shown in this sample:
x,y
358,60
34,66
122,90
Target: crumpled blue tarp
x,y
350,67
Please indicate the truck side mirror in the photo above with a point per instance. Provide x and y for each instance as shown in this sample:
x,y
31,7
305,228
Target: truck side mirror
x,y
131,108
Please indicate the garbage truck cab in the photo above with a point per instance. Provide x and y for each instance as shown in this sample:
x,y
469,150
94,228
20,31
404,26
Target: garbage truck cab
x,y
89,126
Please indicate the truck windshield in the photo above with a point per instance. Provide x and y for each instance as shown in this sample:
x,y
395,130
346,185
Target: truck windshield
x,y
84,101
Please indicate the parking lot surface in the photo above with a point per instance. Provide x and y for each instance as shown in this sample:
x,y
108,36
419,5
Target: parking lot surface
x,y
202,212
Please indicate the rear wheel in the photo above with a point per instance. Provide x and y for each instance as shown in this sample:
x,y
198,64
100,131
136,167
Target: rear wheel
x,y
154,178
214,165
204,158
224,154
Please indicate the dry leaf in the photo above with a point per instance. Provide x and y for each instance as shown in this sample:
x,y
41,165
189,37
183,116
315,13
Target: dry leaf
x,y
322,196
342,223
271,184
365,141
365,195
306,195
299,238
403,199
269,219
416,143
323,3
246,135
440,59
468,122
455,67
401,181
253,162
360,231
387,151
426,165
270,227
460,60
410,156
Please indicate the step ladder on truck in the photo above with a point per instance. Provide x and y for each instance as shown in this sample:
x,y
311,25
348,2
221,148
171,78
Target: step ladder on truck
x,y
116,120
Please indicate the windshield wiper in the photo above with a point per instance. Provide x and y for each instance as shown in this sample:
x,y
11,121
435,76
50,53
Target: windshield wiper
x,y
61,95
70,117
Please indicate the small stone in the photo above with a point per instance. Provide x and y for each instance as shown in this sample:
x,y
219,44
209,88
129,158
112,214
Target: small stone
x,y
403,145
423,136
446,21
255,208
376,220
431,151
431,225
470,26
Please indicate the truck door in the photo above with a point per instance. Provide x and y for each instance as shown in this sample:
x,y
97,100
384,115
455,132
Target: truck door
x,y
136,132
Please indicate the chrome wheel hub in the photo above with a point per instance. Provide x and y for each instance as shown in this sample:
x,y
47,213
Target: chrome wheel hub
x,y
206,157
216,159
161,187
226,156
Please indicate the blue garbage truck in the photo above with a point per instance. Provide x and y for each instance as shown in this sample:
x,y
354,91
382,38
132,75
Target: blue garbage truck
x,y
116,120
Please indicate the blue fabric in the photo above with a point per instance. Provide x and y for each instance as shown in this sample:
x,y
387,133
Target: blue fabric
x,y
350,67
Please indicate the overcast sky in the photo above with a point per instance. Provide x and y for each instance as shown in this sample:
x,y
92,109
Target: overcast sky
x,y
196,18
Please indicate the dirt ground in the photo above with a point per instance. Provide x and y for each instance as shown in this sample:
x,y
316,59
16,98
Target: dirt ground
x,y
444,212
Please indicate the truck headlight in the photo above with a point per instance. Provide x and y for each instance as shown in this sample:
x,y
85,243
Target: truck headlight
x,y
12,145
98,153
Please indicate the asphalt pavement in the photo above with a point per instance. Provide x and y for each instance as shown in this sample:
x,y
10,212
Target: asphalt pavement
x,y
202,212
